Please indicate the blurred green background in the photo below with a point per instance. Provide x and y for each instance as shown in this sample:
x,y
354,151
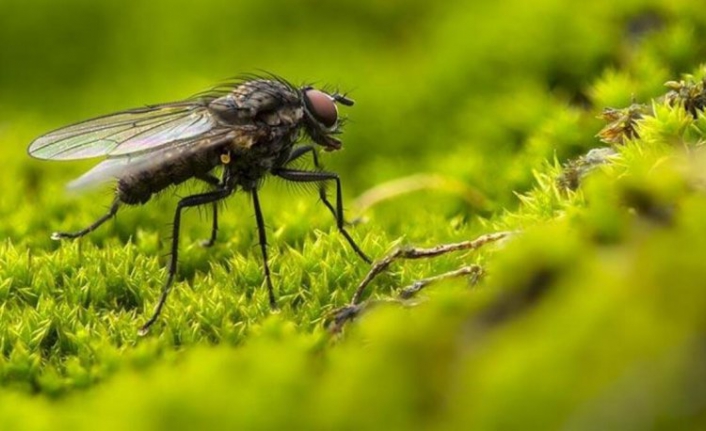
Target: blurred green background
x,y
484,99
439,85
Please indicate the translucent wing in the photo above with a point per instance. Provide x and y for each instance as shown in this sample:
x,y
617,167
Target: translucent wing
x,y
116,167
128,132
107,170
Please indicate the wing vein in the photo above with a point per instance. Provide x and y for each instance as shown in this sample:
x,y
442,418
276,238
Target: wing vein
x,y
125,132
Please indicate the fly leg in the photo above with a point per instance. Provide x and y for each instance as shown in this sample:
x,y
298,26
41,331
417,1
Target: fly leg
x,y
301,151
320,177
263,247
187,202
93,226
215,182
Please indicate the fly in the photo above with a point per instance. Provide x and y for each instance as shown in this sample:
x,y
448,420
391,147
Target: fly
x,y
251,128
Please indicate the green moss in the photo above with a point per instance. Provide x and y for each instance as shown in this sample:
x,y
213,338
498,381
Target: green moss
x,y
590,317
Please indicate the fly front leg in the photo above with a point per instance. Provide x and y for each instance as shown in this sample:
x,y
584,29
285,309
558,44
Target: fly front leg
x,y
187,202
300,152
93,226
320,177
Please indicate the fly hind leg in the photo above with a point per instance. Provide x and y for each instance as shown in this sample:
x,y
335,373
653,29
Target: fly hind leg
x,y
93,226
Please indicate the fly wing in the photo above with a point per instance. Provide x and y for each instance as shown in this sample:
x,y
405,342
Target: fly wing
x,y
125,165
103,172
128,132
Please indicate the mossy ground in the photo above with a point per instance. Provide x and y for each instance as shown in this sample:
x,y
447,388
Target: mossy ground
x,y
591,317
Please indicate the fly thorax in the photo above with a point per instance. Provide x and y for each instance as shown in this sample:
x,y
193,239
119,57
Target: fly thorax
x,y
286,116
228,112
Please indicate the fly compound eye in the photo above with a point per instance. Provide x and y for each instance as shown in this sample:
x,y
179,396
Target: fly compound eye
x,y
321,106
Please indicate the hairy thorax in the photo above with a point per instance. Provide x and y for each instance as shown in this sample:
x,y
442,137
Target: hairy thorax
x,y
264,123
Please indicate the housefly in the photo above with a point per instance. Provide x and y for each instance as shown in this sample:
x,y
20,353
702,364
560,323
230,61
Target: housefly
x,y
250,128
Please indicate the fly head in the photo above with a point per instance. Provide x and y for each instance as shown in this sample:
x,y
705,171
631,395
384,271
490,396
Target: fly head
x,y
321,120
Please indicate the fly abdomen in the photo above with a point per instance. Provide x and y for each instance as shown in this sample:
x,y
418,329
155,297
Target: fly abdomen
x,y
174,168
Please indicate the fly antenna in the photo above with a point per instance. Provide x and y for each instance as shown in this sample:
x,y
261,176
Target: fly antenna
x,y
342,99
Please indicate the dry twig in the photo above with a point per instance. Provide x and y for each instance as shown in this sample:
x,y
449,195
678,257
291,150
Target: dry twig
x,y
349,312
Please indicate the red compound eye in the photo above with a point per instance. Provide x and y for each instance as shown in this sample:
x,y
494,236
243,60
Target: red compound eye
x,y
321,106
